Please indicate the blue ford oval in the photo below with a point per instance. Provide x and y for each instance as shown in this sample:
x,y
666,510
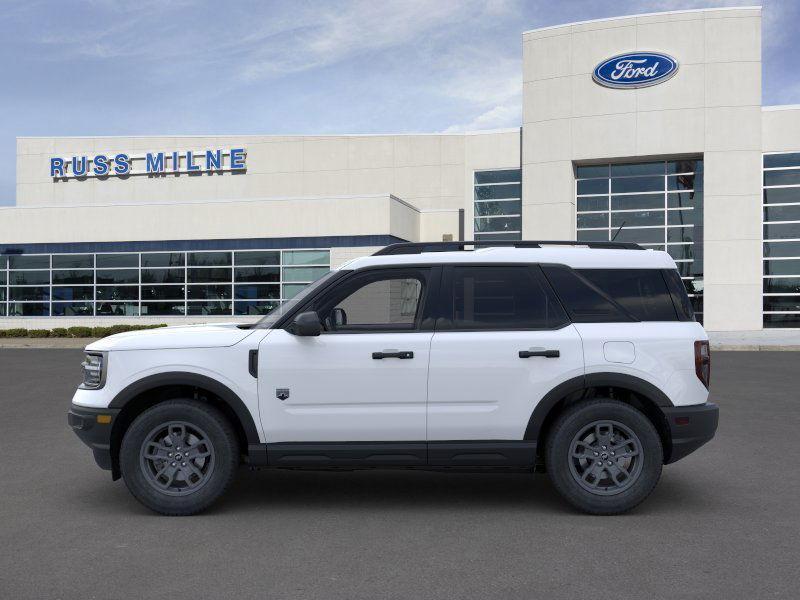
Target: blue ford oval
x,y
635,70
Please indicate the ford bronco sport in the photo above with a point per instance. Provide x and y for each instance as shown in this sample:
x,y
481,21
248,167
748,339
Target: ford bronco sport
x,y
581,359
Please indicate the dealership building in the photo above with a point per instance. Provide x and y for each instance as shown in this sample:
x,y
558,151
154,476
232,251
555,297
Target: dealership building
x,y
646,129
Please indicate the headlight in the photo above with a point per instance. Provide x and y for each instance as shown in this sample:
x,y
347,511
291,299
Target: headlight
x,y
94,370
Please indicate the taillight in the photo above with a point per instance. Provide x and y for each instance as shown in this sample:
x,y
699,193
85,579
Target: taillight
x,y
702,361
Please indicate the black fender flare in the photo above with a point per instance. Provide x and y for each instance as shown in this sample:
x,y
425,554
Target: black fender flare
x,y
194,380
582,382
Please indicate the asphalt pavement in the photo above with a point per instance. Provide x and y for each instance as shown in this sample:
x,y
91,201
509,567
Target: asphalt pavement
x,y
723,523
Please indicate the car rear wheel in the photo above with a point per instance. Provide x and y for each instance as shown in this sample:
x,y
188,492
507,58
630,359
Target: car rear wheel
x,y
179,457
604,456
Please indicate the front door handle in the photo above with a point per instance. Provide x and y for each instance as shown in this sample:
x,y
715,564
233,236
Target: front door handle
x,y
403,354
544,353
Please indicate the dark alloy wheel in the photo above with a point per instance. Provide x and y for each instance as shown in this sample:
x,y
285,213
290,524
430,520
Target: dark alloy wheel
x,y
603,456
179,456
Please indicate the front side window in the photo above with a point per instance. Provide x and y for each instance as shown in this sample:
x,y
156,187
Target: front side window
x,y
499,298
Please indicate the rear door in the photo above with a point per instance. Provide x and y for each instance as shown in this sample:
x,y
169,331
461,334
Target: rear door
x,y
502,342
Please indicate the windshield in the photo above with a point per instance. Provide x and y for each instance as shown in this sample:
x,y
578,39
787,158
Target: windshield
x,y
288,306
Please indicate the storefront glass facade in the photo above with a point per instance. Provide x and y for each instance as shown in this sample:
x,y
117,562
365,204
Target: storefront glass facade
x,y
498,205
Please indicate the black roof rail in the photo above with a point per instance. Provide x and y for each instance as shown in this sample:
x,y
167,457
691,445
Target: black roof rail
x,y
420,247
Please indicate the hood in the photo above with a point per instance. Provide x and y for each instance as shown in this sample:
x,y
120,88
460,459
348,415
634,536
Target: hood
x,y
163,338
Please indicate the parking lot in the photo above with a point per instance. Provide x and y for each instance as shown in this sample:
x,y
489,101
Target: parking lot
x,y
723,523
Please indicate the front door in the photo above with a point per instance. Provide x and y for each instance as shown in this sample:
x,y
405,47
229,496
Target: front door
x,y
363,380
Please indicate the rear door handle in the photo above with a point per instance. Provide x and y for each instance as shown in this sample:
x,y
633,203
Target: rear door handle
x,y
545,353
402,354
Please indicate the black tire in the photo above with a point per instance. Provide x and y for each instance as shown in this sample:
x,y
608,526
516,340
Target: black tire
x,y
182,490
576,447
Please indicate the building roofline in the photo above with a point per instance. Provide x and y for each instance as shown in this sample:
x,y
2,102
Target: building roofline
x,y
652,14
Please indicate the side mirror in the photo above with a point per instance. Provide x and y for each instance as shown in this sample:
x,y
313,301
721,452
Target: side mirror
x,y
306,324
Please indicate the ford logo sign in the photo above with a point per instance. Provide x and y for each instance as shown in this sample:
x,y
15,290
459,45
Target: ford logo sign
x,y
635,70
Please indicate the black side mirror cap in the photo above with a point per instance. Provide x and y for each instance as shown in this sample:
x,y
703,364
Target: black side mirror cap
x,y
306,324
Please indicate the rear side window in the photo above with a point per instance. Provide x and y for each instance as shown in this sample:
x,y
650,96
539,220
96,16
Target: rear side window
x,y
585,302
683,306
642,292
499,298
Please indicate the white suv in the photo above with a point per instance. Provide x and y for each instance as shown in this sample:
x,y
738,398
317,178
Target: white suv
x,y
581,359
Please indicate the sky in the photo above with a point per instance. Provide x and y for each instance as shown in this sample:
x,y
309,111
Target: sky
x,y
160,67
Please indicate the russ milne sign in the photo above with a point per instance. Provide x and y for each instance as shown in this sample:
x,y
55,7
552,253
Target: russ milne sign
x,y
151,163
635,70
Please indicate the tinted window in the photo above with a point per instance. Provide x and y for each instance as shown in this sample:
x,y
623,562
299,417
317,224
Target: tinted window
x,y
500,298
584,302
642,292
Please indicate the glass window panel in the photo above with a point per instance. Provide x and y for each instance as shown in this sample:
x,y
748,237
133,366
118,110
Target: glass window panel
x,y
684,217
789,159
162,309
29,293
638,218
208,292
117,292
685,200
680,234
113,261
29,277
254,307
2,277
635,201
73,309
162,292
209,275
28,309
681,251
593,203
782,195
83,292
3,262
41,261
782,285
117,309
209,259
592,186
221,307
257,258
290,290
506,207
494,237
587,171
782,303
495,192
306,257
117,276
257,274
593,220
303,273
248,292
782,231
73,277
163,259
684,166
782,213
2,294
163,276
593,236
648,168
643,292
3,309
73,261
641,236
637,184
777,321
684,182
782,267
499,176
501,224
788,177
781,249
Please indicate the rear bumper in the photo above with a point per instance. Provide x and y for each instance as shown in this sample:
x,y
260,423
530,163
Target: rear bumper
x,y
690,427
96,435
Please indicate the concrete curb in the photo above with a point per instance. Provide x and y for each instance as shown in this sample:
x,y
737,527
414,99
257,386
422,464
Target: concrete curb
x,y
754,347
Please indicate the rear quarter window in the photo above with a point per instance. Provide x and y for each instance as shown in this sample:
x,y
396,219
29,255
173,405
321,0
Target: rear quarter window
x,y
642,292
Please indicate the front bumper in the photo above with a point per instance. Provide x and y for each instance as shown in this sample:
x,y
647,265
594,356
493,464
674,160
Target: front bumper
x,y
690,427
93,431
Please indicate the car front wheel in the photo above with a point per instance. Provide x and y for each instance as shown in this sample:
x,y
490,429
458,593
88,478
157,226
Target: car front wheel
x,y
604,456
179,457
